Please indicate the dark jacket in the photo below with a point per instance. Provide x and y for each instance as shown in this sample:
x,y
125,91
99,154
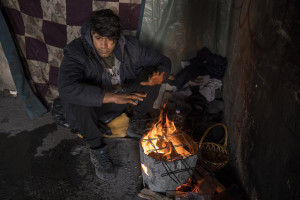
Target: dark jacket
x,y
82,79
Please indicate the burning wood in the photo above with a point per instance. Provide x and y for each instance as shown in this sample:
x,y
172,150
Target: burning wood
x,y
164,141
205,185
168,156
202,185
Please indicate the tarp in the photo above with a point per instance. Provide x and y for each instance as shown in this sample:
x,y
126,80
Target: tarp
x,y
178,28
33,106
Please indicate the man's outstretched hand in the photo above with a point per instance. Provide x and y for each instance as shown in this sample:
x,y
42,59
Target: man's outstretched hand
x,y
124,98
154,79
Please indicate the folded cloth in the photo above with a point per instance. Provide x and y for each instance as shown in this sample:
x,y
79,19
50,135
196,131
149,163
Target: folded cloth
x,y
207,86
200,81
209,89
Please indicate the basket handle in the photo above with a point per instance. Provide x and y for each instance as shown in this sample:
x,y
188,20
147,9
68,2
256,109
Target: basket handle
x,y
207,130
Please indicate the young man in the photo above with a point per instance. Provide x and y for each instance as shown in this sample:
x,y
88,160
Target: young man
x,y
101,75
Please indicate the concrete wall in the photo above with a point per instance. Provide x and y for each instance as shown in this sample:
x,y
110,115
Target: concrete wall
x,y
6,81
262,97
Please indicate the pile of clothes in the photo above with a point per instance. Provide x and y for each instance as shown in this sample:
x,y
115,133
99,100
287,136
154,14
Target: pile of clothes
x,y
199,79
205,72
196,90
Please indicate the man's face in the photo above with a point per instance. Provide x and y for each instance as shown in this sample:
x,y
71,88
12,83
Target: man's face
x,y
103,45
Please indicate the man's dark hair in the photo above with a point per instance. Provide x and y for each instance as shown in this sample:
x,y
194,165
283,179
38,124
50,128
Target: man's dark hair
x,y
106,24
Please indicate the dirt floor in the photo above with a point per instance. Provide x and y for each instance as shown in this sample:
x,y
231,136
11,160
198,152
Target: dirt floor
x,y
40,160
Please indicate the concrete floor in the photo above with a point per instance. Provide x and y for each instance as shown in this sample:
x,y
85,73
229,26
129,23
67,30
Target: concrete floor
x,y
40,160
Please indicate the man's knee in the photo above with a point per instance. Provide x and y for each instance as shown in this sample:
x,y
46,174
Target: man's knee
x,y
81,111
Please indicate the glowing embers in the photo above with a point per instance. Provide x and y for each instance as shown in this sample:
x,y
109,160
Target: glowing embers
x,y
165,142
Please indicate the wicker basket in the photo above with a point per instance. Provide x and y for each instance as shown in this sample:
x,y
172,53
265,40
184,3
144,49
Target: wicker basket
x,y
213,155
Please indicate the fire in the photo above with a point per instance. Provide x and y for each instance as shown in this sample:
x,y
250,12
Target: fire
x,y
164,141
145,169
206,185
186,187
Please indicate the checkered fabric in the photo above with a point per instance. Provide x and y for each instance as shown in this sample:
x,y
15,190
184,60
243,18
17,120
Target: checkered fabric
x,y
44,27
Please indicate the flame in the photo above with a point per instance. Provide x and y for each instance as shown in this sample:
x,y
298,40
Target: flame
x,y
204,186
163,142
145,169
186,187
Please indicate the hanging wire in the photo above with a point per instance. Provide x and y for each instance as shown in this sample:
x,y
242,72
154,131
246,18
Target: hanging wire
x,y
165,165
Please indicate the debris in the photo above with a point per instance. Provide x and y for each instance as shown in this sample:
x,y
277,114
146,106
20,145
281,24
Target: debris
x,y
196,196
77,150
148,194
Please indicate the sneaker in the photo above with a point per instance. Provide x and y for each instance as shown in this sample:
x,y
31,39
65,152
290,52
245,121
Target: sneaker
x,y
104,168
136,128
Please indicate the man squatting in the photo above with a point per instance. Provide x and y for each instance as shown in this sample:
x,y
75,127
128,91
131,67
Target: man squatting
x,y
101,75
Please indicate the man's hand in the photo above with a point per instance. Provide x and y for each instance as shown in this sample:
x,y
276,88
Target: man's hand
x,y
124,98
155,78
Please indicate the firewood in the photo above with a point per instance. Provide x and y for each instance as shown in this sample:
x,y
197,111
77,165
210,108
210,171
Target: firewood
x,y
203,173
175,194
150,195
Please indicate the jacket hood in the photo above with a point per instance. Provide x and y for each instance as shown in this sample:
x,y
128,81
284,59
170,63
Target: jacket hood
x,y
86,35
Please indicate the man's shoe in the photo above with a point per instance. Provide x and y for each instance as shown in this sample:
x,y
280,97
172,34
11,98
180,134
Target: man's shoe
x,y
137,128
103,165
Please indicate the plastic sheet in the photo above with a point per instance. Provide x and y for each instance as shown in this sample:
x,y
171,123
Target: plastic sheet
x,y
33,106
179,28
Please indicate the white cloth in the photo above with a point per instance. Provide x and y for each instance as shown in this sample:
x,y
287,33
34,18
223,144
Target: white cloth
x,y
207,86
162,96
184,63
